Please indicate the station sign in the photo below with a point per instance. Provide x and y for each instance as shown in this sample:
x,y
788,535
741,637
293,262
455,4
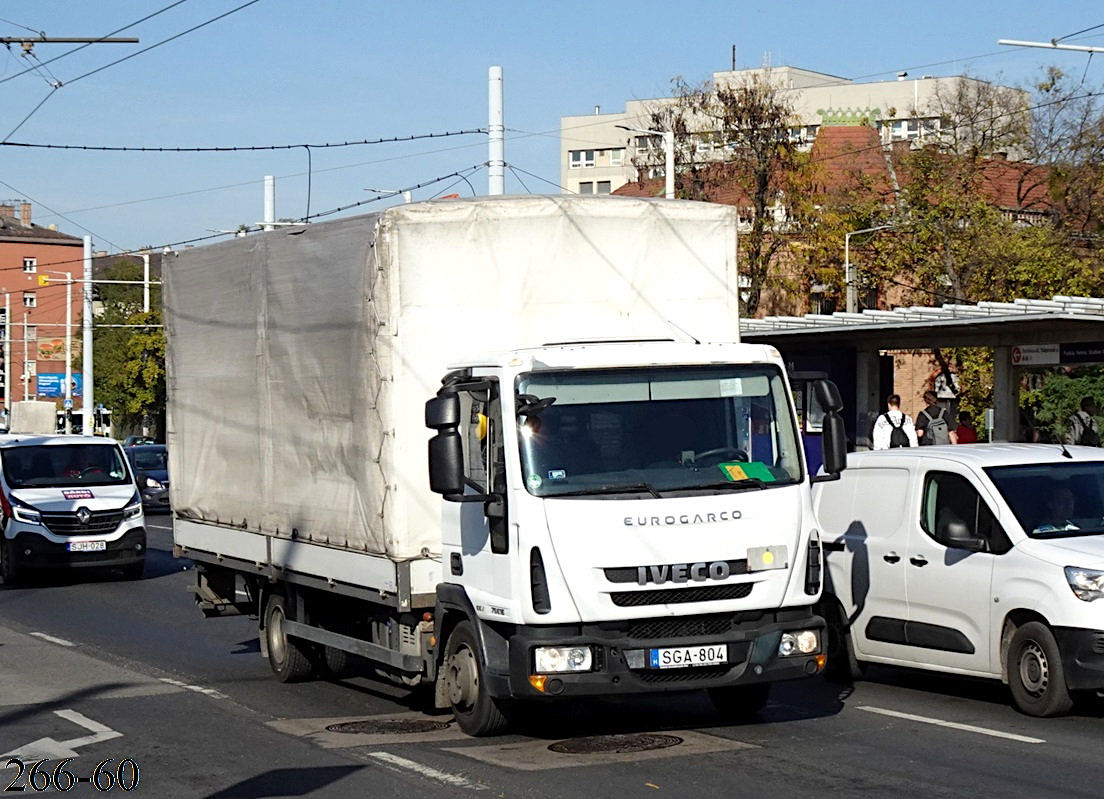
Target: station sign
x,y
1058,354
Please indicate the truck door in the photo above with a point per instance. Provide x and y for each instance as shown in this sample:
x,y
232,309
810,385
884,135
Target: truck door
x,y
484,535
950,589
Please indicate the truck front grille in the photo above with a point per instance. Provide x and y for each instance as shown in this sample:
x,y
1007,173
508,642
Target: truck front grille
x,y
674,596
101,523
687,627
682,675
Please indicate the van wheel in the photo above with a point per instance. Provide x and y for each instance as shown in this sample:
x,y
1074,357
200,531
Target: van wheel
x,y
477,713
841,666
1035,674
286,656
8,568
740,701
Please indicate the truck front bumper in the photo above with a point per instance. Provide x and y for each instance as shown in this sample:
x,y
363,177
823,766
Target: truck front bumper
x,y
620,648
31,551
1082,657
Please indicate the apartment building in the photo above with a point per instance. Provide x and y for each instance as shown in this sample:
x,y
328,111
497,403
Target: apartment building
x,y
33,315
597,150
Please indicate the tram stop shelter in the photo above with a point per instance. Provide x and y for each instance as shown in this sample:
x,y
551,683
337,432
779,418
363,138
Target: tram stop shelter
x,y
848,347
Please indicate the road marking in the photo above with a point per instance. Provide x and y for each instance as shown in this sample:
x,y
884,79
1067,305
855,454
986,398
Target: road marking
x,y
51,749
199,689
52,640
426,771
953,725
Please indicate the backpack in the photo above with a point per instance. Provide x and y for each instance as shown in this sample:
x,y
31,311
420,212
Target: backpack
x,y
1089,437
937,431
897,436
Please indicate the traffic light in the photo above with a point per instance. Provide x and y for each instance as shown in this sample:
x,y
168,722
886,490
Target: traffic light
x,y
44,280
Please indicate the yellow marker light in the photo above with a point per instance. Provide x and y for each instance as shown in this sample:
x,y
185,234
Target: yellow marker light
x,y
538,681
820,661
44,280
768,558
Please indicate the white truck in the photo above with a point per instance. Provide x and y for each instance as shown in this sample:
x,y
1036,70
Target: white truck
x,y
621,513
984,560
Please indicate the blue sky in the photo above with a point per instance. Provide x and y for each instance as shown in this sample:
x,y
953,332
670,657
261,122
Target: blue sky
x,y
287,72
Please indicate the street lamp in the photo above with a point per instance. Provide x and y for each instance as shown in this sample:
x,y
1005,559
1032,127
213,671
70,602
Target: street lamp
x,y
849,275
669,152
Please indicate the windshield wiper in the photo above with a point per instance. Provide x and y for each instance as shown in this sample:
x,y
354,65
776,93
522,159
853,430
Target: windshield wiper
x,y
747,482
628,488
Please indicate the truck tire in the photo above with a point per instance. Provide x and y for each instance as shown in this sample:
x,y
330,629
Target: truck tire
x,y
477,713
287,657
740,701
841,666
1035,674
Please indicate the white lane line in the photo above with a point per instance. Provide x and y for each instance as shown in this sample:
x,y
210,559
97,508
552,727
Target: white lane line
x,y
953,725
199,689
52,640
426,771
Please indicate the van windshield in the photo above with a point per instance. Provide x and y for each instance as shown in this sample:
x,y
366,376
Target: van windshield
x,y
591,432
1054,500
52,466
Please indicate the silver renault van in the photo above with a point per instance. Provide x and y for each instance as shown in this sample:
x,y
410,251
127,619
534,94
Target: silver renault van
x,y
68,502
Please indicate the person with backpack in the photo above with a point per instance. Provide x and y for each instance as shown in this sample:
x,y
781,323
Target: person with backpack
x,y
932,424
893,428
1082,427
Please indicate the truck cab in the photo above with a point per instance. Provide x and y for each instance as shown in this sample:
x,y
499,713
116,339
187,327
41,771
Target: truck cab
x,y
628,518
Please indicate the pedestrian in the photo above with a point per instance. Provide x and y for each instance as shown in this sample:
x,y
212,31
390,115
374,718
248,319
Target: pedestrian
x,y
1082,427
932,425
965,433
893,428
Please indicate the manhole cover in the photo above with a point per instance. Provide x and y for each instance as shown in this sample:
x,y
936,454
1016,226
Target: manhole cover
x,y
388,726
614,744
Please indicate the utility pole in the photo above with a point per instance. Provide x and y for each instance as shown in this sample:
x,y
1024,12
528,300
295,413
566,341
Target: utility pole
x,y
496,156
7,357
88,407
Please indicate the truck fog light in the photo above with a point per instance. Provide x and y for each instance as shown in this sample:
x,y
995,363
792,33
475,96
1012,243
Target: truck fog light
x,y
788,645
553,659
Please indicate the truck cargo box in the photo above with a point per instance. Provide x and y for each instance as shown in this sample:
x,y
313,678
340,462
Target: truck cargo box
x,y
299,360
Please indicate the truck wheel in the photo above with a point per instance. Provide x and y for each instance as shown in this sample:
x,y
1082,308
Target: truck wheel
x,y
842,666
287,656
477,713
8,569
1035,674
740,701
335,663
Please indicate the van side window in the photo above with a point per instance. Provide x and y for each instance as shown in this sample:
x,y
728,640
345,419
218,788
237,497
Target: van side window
x,y
951,499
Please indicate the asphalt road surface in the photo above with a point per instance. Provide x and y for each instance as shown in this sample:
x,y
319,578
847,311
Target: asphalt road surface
x,y
100,669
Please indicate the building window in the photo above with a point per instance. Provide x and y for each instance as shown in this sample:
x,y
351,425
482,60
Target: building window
x,y
617,157
582,158
29,299
30,264
603,187
586,188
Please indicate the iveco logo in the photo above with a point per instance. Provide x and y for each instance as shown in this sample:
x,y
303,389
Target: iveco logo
x,y
686,518
683,572
84,515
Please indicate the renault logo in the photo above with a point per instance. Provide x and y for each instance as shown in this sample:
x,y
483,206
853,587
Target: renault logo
x,y
84,515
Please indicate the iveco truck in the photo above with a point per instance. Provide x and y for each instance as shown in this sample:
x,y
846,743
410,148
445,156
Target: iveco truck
x,y
507,448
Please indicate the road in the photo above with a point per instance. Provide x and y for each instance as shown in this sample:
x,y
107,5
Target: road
x,y
100,668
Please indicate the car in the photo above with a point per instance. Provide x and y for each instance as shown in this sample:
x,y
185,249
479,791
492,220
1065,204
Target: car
x,y
134,441
150,463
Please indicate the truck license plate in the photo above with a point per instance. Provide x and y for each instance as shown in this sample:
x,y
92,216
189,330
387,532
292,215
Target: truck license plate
x,y
86,546
681,657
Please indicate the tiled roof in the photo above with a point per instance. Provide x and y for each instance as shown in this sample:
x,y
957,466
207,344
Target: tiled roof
x,y
13,229
849,160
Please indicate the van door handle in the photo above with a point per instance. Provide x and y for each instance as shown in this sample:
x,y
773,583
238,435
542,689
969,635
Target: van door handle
x,y
918,560
891,557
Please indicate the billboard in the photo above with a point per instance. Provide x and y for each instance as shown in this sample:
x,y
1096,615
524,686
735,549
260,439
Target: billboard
x,y
52,384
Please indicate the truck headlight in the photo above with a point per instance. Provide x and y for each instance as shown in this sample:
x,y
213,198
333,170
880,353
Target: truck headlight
x,y
555,659
1087,584
803,642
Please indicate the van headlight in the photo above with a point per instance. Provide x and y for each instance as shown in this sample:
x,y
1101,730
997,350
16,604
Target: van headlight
x,y
133,509
1087,584
22,512
555,659
803,642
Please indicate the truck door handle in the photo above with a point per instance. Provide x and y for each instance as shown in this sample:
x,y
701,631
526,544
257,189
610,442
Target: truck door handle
x,y
891,557
918,560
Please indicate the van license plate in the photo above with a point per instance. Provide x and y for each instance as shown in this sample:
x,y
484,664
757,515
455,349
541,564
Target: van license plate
x,y
682,657
86,546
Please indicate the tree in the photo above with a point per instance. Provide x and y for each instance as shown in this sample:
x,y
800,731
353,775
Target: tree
x,y
734,135
129,361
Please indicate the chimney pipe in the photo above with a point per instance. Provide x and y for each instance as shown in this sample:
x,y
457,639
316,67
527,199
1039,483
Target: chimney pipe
x,y
25,214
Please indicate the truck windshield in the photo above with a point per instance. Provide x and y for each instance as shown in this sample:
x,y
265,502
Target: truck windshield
x,y
1054,500
51,466
656,429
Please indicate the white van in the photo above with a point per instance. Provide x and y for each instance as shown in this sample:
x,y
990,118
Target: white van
x,y
68,502
983,560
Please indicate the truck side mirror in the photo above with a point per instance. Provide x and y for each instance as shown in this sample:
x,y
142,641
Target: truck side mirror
x,y
834,440
828,396
446,463
443,411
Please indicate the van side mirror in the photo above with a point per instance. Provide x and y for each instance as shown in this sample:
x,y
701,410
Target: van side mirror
x,y
955,533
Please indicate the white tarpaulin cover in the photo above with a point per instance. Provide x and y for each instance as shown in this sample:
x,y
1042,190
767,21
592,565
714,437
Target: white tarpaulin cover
x,y
300,360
